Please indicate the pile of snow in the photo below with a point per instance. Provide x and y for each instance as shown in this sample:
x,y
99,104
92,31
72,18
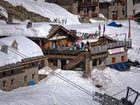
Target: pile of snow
x,y
26,48
48,10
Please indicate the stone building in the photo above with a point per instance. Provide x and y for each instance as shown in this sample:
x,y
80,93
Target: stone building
x,y
86,8
117,10
20,74
18,64
133,9
104,8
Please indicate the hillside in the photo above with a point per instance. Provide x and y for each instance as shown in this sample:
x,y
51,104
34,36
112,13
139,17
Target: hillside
x,y
20,13
49,10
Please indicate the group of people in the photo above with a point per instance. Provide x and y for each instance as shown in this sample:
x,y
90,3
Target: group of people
x,y
60,21
73,46
80,46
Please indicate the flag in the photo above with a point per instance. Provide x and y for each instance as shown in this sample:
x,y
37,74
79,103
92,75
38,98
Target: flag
x,y
104,29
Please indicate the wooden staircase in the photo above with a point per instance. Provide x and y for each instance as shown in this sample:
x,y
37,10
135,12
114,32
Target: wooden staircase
x,y
74,61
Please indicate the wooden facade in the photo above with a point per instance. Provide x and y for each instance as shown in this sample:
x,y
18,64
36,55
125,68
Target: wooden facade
x,y
59,37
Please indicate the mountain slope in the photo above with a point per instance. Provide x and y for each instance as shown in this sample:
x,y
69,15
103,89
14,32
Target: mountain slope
x,y
49,10
20,13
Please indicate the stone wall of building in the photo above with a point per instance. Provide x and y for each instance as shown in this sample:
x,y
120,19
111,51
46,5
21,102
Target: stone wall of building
x,y
20,79
116,11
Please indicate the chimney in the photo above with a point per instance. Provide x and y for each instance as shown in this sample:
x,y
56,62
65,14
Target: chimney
x,y
10,17
29,25
4,48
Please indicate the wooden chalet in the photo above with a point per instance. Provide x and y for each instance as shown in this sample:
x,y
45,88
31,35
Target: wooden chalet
x,y
59,37
61,50
98,56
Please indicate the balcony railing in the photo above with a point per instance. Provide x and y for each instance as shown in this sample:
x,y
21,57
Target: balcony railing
x,y
94,50
104,48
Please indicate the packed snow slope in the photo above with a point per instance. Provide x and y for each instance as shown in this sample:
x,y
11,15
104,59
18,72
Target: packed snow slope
x,y
51,91
55,91
49,10
26,48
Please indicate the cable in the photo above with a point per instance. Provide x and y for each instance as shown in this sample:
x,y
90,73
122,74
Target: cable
x,y
131,94
119,92
14,51
70,82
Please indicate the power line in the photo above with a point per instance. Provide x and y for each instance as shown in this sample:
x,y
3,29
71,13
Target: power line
x,y
70,82
14,50
119,92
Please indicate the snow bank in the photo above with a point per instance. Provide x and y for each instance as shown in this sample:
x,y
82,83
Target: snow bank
x,y
49,10
26,48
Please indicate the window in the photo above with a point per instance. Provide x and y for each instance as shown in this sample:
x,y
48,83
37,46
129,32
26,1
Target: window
x,y
12,71
4,73
4,83
12,81
122,58
113,60
33,76
25,78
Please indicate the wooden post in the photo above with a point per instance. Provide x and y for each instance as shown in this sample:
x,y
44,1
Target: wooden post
x,y
88,65
129,31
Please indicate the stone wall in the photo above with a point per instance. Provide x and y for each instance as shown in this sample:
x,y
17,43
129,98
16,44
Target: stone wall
x,y
16,80
116,9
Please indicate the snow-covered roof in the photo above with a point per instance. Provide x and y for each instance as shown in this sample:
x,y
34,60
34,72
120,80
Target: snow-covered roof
x,y
37,30
116,50
48,10
26,49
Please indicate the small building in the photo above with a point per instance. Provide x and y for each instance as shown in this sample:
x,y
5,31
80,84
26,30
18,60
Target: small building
x,y
19,62
87,8
60,37
115,9
117,59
